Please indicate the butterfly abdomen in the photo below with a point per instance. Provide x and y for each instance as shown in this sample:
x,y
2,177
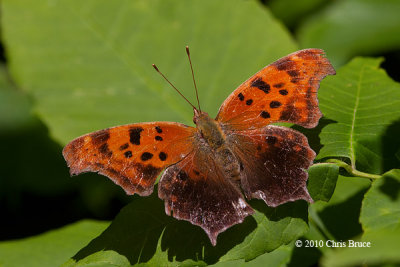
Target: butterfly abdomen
x,y
229,162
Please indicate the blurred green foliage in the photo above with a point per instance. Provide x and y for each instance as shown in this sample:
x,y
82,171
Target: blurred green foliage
x,y
72,67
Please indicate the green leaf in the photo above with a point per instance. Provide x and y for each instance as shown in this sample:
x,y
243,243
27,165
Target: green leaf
x,y
363,101
384,251
15,106
137,230
322,181
381,204
100,259
348,28
96,72
278,257
51,248
274,227
291,12
339,218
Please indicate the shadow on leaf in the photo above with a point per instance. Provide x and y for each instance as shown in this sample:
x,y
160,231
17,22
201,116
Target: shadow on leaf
x,y
137,229
390,187
342,219
297,209
390,146
313,134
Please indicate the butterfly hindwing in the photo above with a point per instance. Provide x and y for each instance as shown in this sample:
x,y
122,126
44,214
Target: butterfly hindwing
x,y
197,190
284,91
276,171
131,155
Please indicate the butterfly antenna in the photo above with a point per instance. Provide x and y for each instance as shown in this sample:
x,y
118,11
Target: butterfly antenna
x,y
155,67
194,81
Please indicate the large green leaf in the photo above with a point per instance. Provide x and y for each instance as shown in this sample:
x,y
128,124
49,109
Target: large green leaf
x,y
88,66
348,28
88,63
363,101
142,225
276,258
322,181
381,204
49,249
292,12
112,258
339,218
383,251
15,106
106,258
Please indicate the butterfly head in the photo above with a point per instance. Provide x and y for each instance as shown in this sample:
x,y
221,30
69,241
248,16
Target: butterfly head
x,y
208,128
199,116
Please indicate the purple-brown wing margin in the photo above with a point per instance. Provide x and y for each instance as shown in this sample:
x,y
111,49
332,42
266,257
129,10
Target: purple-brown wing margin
x,y
197,190
276,171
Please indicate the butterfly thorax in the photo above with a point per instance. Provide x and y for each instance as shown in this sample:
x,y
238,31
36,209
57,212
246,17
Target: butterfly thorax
x,y
209,130
212,134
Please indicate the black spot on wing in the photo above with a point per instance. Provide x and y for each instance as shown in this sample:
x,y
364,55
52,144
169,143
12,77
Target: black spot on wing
x,y
275,104
128,154
146,156
284,64
105,150
260,84
249,102
158,129
100,137
295,80
158,138
283,92
241,96
265,114
293,73
134,135
279,85
182,175
162,156
124,146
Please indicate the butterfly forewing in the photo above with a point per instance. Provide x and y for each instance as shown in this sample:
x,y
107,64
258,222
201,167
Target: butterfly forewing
x,y
284,91
131,155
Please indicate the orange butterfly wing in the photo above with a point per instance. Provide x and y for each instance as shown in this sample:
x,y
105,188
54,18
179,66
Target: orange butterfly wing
x,y
284,91
131,155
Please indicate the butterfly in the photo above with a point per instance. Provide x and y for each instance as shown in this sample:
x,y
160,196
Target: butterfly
x,y
211,169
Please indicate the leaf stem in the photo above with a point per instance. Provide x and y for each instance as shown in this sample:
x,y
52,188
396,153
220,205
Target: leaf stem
x,y
352,170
